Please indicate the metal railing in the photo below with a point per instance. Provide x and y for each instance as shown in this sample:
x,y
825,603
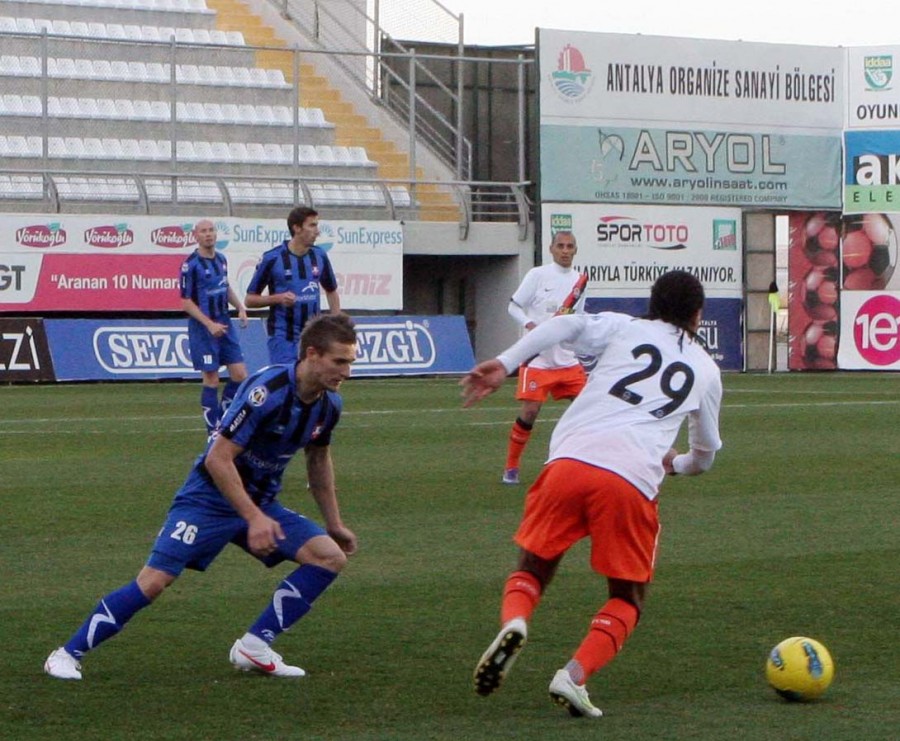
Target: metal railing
x,y
171,61
348,28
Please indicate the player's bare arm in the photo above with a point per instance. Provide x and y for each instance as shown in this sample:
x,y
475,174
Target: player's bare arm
x,y
262,531
334,301
320,475
193,311
236,303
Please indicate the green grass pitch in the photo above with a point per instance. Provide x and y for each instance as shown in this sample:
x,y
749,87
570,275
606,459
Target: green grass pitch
x,y
794,531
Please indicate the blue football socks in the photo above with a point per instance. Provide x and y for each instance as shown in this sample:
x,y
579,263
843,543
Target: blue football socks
x,y
228,393
209,401
291,601
108,618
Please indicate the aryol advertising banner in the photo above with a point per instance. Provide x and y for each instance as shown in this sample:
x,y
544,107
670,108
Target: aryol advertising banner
x,y
630,119
127,349
624,249
65,262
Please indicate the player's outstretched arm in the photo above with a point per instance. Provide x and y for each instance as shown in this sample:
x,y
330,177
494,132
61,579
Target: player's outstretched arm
x,y
484,379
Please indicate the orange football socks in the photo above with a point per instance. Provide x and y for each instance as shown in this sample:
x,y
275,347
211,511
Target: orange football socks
x,y
518,439
610,629
521,595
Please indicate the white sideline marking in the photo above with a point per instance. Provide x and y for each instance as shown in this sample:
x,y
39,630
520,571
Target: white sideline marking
x,y
367,413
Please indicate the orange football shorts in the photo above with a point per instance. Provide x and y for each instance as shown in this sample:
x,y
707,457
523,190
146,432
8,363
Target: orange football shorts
x,y
536,384
571,500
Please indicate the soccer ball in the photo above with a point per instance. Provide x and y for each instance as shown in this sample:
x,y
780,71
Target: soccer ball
x,y
799,669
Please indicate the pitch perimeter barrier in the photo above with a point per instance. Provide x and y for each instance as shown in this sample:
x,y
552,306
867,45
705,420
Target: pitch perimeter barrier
x,y
36,349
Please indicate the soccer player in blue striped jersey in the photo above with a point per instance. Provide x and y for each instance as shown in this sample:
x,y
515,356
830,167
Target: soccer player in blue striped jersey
x,y
231,496
289,279
213,338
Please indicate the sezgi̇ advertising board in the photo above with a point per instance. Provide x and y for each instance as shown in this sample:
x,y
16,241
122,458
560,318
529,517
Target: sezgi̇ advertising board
x,y
36,349
624,249
65,262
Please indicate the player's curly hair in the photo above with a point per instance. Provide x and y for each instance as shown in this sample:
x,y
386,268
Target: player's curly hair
x,y
676,297
322,330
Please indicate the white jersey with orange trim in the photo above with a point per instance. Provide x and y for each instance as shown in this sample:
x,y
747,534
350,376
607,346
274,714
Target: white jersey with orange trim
x,y
650,376
537,299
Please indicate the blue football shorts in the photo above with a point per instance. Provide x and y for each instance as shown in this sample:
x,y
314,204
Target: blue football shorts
x,y
193,536
281,350
208,353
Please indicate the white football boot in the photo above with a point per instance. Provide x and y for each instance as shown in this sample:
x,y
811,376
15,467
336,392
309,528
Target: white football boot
x,y
62,665
265,661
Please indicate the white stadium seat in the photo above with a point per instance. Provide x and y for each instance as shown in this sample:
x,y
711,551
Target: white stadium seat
x,y
113,148
25,25
103,70
187,74
258,77
230,113
84,69
212,112
203,152
184,151
277,155
220,152
60,28
247,114
88,108
125,109
224,75
131,149
308,155
9,66
148,150
120,70
106,108
238,152
151,33
93,148
207,74
256,152
160,111
242,76
11,105
62,67
142,111
32,106
115,31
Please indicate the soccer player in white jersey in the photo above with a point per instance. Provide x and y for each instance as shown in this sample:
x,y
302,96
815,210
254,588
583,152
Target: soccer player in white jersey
x,y
555,370
608,455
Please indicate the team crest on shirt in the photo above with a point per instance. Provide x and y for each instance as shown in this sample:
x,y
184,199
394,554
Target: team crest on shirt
x,y
532,386
257,396
317,430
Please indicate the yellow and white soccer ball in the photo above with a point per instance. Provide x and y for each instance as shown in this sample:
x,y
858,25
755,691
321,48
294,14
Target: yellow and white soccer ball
x,y
799,669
